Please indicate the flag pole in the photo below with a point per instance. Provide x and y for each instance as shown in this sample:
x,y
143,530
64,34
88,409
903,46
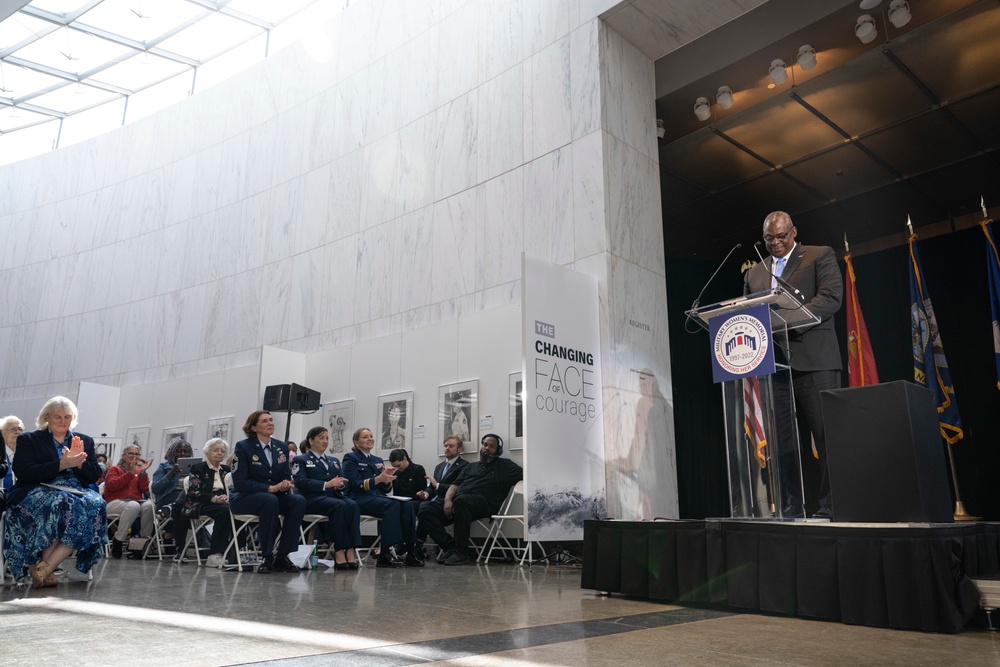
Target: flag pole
x,y
959,514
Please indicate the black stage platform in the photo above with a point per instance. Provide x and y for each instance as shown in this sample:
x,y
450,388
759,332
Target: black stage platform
x,y
904,576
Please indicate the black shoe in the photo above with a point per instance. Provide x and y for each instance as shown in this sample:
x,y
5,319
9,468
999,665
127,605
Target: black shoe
x,y
793,512
413,560
444,555
387,561
116,548
266,566
342,566
458,559
352,565
282,564
823,513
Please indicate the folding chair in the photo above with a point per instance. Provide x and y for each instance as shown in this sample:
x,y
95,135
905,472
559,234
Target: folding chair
x,y
495,533
369,551
243,525
309,523
198,524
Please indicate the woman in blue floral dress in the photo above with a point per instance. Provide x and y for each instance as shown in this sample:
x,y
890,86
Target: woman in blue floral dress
x,y
51,511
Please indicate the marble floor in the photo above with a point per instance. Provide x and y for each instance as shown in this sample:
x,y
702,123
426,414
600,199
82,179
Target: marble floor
x,y
157,613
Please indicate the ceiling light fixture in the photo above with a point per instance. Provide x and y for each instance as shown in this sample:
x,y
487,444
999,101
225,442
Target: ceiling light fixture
x,y
701,110
777,71
865,29
806,58
870,4
724,97
899,13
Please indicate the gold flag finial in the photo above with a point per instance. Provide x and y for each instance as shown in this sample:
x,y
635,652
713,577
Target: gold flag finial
x,y
909,225
847,248
982,204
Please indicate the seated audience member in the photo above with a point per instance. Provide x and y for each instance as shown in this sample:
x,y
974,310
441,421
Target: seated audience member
x,y
262,485
319,478
410,481
102,461
369,480
208,496
125,488
445,474
478,492
168,485
45,524
11,427
293,450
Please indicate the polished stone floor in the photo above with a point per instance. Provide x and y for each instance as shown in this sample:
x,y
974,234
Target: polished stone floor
x,y
157,613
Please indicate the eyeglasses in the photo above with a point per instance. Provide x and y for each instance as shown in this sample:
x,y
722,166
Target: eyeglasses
x,y
777,237
14,429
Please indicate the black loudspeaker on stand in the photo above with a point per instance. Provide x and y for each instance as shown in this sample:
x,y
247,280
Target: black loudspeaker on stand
x,y
290,398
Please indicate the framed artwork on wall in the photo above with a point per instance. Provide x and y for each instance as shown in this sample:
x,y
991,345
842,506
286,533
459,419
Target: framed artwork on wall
x,y
515,396
172,434
458,413
110,447
221,427
394,418
137,435
339,418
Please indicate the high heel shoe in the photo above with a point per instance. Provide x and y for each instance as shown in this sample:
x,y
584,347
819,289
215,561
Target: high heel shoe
x,y
352,565
41,575
342,566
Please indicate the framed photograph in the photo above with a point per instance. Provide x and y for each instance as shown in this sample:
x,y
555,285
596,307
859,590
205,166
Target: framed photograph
x,y
174,433
137,435
515,391
394,412
110,447
458,413
221,427
339,418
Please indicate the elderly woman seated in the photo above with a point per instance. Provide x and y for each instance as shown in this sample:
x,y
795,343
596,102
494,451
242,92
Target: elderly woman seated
x,y
50,510
167,481
125,488
206,496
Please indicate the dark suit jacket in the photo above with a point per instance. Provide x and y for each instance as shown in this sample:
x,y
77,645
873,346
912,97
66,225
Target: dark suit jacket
x,y
251,473
36,461
813,271
453,472
311,477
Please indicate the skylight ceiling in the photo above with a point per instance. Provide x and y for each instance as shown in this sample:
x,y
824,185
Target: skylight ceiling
x,y
59,58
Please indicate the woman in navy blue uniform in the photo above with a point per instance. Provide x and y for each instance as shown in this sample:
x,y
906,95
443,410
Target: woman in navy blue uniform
x,y
51,510
320,479
369,480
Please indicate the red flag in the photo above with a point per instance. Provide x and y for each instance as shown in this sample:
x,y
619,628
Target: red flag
x,y
753,418
860,359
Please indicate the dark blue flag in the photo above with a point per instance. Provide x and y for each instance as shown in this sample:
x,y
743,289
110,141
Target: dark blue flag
x,y
993,273
930,368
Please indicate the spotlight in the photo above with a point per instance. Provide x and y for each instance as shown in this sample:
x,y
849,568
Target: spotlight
x,y
865,29
777,71
701,110
806,58
870,4
899,13
724,97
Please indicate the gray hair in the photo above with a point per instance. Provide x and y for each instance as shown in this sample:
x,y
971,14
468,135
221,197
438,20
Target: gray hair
x,y
212,443
6,421
121,459
51,406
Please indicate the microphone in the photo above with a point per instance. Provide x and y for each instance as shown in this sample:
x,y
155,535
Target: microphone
x,y
784,283
697,301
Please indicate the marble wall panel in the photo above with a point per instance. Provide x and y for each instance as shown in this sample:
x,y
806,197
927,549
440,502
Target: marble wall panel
x,y
5,336
106,229
112,326
544,23
18,237
283,215
207,168
548,206
458,54
218,311
76,283
315,203
416,164
373,286
232,168
383,97
500,229
413,259
320,130
149,248
590,233
18,356
51,289
29,293
224,239
638,326
381,181
260,151
456,146
635,219
338,295
499,139
248,242
188,312
40,355
345,187
375,370
501,295
454,239
418,87
139,336
585,79
290,147
309,275
244,321
95,285
11,280
548,123
501,42
272,311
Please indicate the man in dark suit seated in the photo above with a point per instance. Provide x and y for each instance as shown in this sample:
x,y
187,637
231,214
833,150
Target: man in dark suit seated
x,y
478,492
445,474
262,483
813,353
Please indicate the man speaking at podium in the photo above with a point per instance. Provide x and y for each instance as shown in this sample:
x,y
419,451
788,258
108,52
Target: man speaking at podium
x,y
813,354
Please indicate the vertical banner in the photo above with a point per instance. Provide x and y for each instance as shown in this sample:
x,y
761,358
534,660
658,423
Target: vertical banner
x,y
563,401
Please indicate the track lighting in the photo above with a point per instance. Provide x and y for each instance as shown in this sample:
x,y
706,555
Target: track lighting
x,y
724,97
865,28
806,58
899,13
777,71
701,110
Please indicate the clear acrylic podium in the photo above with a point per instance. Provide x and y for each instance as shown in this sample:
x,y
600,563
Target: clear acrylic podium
x,y
762,439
